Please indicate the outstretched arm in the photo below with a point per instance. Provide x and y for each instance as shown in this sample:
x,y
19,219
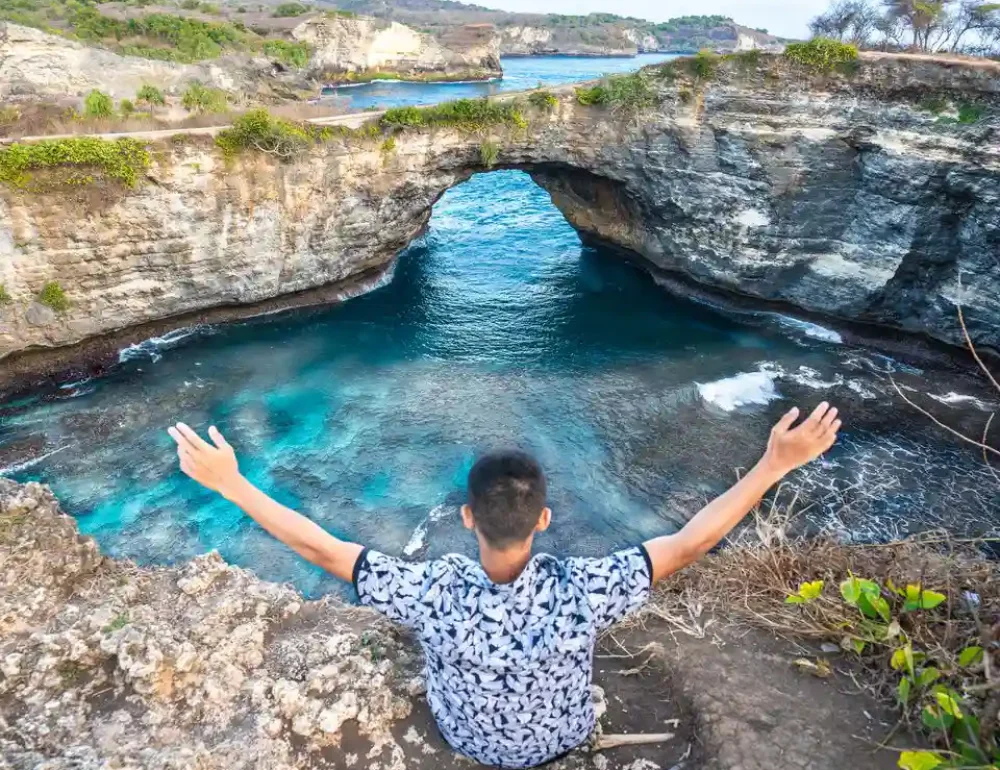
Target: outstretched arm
x,y
214,466
787,449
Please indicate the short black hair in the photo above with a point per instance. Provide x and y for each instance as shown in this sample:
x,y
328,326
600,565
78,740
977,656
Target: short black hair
x,y
507,495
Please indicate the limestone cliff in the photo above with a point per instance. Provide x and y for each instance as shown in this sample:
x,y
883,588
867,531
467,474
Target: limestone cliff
x,y
34,64
349,45
841,195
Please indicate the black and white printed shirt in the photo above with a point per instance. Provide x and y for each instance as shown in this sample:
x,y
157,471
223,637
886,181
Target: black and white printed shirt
x,y
508,666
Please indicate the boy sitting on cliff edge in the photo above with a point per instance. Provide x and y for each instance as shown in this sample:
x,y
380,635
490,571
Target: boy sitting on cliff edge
x,y
509,642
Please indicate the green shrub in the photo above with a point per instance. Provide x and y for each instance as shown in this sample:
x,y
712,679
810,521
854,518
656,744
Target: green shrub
x,y
464,114
703,65
150,95
970,113
286,10
53,296
292,54
5,298
98,104
389,145
261,131
201,98
126,107
121,160
593,96
824,55
623,93
748,60
543,100
488,153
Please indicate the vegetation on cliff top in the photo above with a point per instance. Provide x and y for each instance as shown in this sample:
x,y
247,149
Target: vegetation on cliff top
x,y
120,160
464,114
162,36
629,94
823,55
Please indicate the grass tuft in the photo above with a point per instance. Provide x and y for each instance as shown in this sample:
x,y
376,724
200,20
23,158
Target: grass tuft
x,y
53,296
489,152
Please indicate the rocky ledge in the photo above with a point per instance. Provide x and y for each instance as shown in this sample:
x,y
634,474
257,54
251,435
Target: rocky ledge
x,y
870,197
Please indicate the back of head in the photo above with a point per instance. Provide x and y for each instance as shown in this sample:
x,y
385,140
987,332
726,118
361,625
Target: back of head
x,y
506,494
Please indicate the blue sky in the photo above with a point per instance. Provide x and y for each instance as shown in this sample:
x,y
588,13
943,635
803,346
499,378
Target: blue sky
x,y
788,17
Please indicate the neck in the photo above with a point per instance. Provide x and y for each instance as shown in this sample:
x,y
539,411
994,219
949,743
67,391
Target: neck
x,y
504,566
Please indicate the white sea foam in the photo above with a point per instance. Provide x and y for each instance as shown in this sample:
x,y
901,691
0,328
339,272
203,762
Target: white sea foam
x,y
957,399
23,466
153,347
419,537
810,378
815,331
746,389
860,389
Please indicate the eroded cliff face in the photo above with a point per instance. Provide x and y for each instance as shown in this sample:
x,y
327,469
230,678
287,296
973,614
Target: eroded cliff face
x,y
343,45
34,64
839,195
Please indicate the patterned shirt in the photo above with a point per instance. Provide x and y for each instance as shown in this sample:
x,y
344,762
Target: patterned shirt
x,y
508,666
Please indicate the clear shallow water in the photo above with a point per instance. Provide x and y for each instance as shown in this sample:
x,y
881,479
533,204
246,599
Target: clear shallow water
x,y
495,330
520,73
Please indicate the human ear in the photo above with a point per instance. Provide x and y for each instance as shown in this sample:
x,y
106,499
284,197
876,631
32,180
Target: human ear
x,y
467,521
544,520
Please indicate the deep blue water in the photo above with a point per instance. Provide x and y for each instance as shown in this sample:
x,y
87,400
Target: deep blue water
x,y
497,328
519,74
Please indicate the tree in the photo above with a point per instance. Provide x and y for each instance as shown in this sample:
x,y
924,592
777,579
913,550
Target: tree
x,y
98,104
850,21
151,96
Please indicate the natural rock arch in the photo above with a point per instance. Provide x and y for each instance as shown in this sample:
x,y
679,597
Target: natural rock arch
x,y
839,196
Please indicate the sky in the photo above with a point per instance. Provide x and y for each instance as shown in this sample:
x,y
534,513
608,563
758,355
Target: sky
x,y
788,18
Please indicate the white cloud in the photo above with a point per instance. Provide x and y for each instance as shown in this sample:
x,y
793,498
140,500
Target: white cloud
x,y
789,18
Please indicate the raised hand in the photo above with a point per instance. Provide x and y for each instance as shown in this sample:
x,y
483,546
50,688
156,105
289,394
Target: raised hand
x,y
211,465
790,448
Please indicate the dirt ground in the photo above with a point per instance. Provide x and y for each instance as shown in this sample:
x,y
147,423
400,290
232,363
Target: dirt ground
x,y
733,700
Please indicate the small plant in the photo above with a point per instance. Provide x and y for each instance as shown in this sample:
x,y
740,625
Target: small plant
x,y
704,65
292,54
593,96
119,622
824,55
259,130
53,296
748,60
970,113
98,104
463,114
543,100
686,95
201,98
5,298
924,685
126,107
389,145
121,160
151,96
935,105
488,153
628,94
287,10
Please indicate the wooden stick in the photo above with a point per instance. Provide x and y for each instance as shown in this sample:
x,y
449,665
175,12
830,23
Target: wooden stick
x,y
606,742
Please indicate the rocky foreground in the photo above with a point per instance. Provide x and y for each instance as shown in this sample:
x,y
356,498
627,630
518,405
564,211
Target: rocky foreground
x,y
203,666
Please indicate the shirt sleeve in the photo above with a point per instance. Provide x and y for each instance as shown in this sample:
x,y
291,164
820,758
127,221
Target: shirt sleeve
x,y
391,586
614,586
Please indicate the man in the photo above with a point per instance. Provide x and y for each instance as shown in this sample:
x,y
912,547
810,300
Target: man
x,y
509,642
